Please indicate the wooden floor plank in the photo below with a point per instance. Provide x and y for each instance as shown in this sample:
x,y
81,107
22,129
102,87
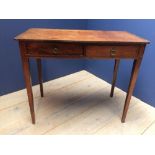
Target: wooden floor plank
x,y
75,104
65,106
21,96
91,120
150,130
139,117
52,103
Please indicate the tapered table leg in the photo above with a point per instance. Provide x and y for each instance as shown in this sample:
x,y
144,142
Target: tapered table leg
x,y
27,76
116,66
39,66
134,74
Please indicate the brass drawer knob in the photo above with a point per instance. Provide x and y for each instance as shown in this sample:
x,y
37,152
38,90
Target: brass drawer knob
x,y
113,52
55,50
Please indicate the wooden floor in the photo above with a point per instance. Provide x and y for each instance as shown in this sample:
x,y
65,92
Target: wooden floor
x,y
75,104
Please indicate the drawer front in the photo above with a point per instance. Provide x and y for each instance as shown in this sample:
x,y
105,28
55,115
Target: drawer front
x,y
53,49
112,51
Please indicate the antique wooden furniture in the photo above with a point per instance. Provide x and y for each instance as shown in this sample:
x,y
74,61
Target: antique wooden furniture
x,y
59,43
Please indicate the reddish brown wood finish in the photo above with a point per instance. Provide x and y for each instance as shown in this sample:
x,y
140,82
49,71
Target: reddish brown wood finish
x,y
83,36
49,49
134,74
40,43
112,51
117,61
27,76
40,76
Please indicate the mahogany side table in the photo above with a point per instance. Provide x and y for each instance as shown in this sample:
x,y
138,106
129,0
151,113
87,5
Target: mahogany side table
x,y
59,43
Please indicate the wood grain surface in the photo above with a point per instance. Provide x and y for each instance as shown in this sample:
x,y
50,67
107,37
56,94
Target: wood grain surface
x,y
80,36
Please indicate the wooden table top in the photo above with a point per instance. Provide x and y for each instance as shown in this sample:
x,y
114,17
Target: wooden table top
x,y
90,36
